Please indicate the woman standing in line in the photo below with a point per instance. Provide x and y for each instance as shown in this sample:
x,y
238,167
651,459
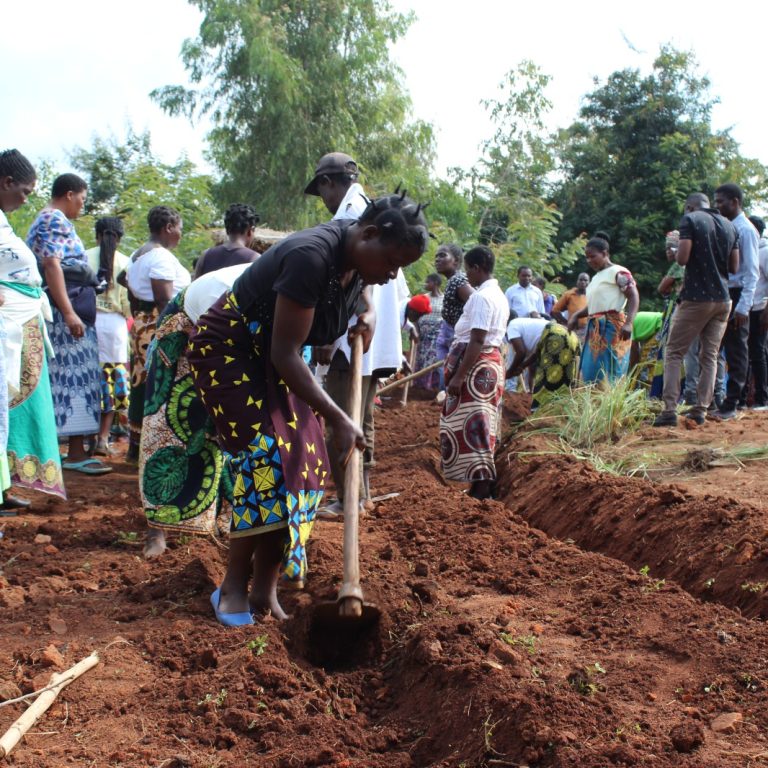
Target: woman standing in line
x,y
74,369
32,449
247,366
474,375
429,327
154,277
112,312
609,331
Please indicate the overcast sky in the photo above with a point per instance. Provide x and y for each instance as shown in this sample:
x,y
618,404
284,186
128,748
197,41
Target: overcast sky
x,y
71,70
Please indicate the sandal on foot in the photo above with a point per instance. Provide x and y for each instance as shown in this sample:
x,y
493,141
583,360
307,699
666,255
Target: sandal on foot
x,y
101,448
229,619
87,467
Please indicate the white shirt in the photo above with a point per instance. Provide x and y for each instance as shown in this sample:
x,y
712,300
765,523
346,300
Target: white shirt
x,y
17,262
207,289
353,204
761,290
486,310
523,301
157,264
528,330
746,277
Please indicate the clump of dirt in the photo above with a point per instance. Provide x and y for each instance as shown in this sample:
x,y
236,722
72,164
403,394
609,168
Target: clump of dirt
x,y
498,645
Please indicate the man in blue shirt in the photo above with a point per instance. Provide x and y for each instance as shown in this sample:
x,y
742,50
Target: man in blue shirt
x,y
741,286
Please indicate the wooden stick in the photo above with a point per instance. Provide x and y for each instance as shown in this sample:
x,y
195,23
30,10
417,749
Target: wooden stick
x,y
36,710
412,356
411,377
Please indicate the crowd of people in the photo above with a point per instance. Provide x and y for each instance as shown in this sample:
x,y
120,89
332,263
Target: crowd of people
x,y
234,380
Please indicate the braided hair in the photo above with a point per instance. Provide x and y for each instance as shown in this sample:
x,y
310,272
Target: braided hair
x,y
110,230
160,217
239,218
15,165
399,219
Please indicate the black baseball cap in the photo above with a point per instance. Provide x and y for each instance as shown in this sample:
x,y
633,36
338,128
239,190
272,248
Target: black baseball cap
x,y
330,164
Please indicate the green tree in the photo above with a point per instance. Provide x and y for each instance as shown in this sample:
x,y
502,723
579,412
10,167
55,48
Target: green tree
x,y
510,182
285,81
125,179
641,144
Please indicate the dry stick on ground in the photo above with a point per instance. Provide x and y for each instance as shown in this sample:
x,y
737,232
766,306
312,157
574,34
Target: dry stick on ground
x,y
48,695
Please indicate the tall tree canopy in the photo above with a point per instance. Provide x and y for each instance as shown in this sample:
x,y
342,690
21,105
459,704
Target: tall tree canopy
x,y
641,144
285,81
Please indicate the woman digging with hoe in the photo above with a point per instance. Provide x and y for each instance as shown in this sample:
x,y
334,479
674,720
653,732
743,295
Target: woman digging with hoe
x,y
247,366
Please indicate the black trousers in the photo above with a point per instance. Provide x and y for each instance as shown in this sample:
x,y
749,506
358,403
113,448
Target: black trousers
x,y
758,360
735,345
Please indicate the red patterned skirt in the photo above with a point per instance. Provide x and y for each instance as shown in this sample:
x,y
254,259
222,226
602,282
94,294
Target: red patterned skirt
x,y
469,423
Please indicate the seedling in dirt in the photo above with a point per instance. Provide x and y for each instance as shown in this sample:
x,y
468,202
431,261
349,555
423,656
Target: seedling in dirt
x,y
713,688
754,586
749,682
709,583
584,680
258,645
654,585
526,641
127,537
488,729
218,700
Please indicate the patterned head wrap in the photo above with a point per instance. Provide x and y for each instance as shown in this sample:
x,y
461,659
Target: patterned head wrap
x,y
673,239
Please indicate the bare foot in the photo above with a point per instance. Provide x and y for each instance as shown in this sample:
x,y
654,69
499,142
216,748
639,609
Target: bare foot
x,y
261,604
154,546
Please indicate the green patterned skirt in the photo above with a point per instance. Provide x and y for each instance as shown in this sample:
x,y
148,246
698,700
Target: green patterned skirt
x,y
183,474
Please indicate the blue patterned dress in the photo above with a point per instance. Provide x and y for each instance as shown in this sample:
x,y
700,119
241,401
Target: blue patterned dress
x,y
75,372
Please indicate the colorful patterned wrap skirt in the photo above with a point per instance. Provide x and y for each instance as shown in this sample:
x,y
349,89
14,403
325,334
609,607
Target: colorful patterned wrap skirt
x,y
469,423
276,440
606,355
557,365
143,330
33,448
75,379
183,474
115,389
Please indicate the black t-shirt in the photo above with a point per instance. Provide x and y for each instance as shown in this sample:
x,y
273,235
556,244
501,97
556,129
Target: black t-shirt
x,y
306,267
713,238
225,255
453,306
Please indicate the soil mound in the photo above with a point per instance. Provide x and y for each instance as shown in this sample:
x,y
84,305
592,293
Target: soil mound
x,y
498,645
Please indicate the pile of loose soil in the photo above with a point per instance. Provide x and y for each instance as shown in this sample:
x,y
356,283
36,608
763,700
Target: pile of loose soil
x,y
498,646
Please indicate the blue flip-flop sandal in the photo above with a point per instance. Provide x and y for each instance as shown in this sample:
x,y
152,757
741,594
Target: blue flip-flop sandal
x,y
229,619
87,467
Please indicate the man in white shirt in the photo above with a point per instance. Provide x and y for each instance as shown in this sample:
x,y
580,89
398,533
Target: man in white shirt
x,y
523,334
335,182
525,299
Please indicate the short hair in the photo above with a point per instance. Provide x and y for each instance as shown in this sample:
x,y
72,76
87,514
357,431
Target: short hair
x,y
160,217
758,224
455,250
480,256
239,218
697,200
15,165
598,244
435,278
399,220
731,191
539,282
67,182
522,267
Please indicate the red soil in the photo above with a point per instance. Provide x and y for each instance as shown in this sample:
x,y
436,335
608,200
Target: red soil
x,y
498,645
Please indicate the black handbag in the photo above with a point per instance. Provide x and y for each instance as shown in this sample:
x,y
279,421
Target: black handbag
x,y
81,282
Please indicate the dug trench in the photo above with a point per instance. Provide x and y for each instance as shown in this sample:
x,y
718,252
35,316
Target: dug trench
x,y
498,645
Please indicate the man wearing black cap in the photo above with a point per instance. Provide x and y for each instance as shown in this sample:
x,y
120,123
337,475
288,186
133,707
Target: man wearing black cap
x,y
335,181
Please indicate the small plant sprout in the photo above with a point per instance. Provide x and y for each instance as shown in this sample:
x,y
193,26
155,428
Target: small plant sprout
x,y
218,700
654,585
709,583
584,680
645,570
754,586
525,641
257,645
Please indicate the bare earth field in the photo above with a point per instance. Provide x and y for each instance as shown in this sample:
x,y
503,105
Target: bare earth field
x,y
519,632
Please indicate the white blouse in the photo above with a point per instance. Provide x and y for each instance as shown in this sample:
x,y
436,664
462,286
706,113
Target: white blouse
x,y
487,310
